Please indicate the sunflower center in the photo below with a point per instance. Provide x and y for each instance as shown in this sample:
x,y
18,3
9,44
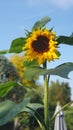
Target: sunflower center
x,y
41,44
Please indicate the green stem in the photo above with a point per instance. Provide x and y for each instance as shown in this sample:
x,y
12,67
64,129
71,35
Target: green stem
x,y
46,106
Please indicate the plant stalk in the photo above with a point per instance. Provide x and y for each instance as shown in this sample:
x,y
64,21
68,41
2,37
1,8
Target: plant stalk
x,y
46,105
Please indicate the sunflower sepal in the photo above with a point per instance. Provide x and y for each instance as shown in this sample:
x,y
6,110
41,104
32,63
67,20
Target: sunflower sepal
x,y
58,54
27,33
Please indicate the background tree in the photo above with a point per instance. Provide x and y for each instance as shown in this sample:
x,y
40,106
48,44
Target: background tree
x,y
59,92
7,70
69,118
9,89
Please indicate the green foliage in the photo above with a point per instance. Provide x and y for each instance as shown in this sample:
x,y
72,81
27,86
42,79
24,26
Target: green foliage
x,y
30,63
8,110
69,118
4,51
65,40
60,91
6,87
61,70
31,108
17,45
7,70
41,23
30,118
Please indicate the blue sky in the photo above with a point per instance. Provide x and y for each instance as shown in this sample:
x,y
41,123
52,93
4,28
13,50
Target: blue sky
x,y
18,15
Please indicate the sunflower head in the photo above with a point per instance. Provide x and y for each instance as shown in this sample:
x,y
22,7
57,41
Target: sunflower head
x,y
41,46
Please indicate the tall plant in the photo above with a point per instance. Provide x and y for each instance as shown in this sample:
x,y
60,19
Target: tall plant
x,y
40,47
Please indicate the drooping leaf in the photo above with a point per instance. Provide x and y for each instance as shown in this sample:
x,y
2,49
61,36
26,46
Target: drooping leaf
x,y
17,45
62,108
31,108
6,87
61,70
8,110
5,107
65,40
41,23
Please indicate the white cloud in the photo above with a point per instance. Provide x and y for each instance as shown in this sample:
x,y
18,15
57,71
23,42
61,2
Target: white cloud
x,y
64,4
31,2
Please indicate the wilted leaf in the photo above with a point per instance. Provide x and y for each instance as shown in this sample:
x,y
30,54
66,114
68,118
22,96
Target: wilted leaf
x,y
41,23
61,70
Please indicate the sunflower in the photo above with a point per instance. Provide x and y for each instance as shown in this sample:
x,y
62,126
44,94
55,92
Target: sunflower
x,y
41,46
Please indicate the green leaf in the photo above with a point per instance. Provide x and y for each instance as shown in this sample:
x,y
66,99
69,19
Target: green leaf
x,y
62,108
8,110
17,45
4,51
65,40
61,70
6,87
31,108
41,23
30,72
69,110
5,107
58,54
30,63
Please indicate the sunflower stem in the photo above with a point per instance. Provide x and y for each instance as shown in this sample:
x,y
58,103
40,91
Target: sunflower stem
x,y
46,105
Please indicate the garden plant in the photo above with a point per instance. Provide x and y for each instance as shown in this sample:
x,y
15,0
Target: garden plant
x,y
40,46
